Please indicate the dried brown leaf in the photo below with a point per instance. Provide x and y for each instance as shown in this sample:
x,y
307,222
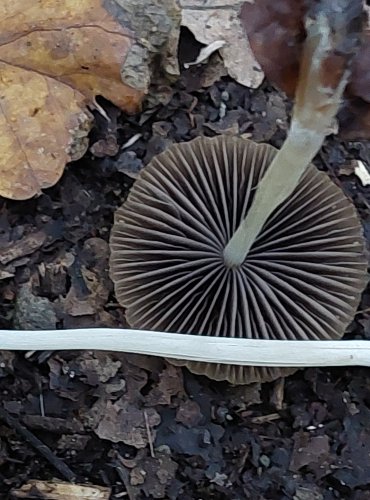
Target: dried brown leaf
x,y
96,367
170,384
309,450
124,422
153,476
189,414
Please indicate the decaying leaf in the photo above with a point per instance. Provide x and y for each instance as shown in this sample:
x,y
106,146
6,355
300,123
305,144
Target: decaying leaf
x,y
124,422
55,58
170,384
96,367
90,285
189,414
22,247
215,20
152,476
309,450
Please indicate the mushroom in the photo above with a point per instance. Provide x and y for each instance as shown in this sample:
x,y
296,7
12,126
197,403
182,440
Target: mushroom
x,y
225,237
301,280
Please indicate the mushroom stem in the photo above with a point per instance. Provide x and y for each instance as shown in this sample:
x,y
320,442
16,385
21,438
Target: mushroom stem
x,y
256,352
324,73
276,185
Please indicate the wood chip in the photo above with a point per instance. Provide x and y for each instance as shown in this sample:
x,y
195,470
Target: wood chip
x,y
61,491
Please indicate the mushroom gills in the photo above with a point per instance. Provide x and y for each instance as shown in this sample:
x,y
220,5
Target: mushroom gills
x,y
302,278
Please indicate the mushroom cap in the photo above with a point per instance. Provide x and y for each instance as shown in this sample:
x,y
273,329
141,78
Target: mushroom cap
x,y
302,279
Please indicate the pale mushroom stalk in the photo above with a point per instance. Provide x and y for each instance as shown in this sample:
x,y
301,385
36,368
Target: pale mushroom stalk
x,y
317,100
288,353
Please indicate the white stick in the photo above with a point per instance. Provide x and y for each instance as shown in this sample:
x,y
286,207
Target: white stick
x,y
283,353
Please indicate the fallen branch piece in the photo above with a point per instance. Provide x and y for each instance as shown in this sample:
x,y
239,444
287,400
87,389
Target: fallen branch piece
x,y
281,353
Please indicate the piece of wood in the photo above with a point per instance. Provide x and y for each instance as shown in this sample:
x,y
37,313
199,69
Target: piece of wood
x,y
283,353
56,490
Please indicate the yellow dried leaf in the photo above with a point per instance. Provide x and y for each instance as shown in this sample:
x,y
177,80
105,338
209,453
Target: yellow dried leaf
x,y
55,57
37,115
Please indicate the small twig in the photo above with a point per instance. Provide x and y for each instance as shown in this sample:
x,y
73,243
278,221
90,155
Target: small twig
x,y
131,141
101,110
262,419
42,406
39,446
41,398
149,432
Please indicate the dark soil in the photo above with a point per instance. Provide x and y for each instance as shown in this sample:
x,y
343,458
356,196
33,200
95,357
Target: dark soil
x,y
137,425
